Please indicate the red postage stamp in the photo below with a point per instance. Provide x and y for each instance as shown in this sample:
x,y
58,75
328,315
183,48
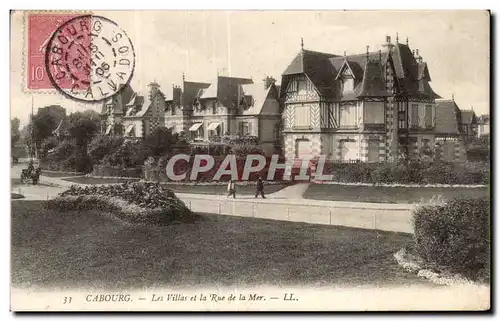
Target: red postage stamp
x,y
40,28
85,57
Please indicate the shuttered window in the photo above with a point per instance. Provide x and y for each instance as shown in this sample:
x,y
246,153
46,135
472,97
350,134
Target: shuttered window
x,y
348,116
302,116
428,116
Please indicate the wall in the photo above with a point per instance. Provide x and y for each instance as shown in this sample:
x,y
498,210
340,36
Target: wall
x,y
290,144
386,217
133,121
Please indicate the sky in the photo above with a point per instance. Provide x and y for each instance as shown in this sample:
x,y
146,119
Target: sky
x,y
200,44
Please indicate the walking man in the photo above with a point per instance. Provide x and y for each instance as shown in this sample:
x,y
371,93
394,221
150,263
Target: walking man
x,y
260,188
231,189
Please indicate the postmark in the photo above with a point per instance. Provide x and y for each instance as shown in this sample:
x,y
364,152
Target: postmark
x,y
89,58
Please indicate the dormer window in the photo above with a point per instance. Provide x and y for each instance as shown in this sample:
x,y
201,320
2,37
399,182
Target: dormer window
x,y
347,85
346,78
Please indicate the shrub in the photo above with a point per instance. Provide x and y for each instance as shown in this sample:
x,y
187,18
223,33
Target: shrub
x,y
67,157
350,173
117,171
103,145
455,235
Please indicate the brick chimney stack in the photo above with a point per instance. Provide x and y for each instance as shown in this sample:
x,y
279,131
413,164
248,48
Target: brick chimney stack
x,y
388,44
268,81
154,87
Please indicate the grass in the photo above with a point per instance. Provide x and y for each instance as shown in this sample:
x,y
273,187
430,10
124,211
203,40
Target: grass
x,y
93,250
179,188
97,180
61,174
379,194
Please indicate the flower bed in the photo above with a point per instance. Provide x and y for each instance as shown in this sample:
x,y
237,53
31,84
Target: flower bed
x,y
134,202
414,264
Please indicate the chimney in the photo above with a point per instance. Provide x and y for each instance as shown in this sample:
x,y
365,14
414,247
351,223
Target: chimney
x,y
268,81
153,88
418,57
388,45
177,95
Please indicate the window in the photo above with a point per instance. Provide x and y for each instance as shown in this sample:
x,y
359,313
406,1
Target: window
x,y
347,85
302,116
374,112
302,84
428,116
348,115
292,87
173,109
414,116
373,152
401,121
348,150
214,107
244,128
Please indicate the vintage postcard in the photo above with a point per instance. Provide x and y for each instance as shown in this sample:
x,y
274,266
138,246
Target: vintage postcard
x,y
250,160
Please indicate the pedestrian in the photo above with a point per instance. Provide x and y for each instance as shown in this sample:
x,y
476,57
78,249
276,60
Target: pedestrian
x,y
231,189
260,188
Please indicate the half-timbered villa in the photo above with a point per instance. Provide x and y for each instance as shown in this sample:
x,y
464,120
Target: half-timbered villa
x,y
368,107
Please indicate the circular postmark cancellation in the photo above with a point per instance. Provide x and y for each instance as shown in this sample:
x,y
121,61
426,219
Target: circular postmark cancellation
x,y
89,58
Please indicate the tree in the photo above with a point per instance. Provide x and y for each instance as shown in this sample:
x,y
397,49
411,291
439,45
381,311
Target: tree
x,y
83,126
43,124
161,141
15,134
102,145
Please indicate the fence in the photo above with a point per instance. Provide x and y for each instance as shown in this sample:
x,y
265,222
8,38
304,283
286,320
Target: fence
x,y
385,218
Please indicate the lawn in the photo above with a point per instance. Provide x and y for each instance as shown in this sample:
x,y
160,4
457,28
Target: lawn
x,y
180,188
60,174
97,180
379,194
91,249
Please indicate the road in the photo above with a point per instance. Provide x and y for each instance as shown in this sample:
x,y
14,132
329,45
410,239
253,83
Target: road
x,y
285,205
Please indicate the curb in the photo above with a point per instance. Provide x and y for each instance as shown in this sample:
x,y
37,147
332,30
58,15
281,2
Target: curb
x,y
400,185
414,265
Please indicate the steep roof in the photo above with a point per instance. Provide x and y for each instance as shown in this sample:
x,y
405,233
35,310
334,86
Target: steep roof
x,y
258,93
423,71
447,117
483,119
119,100
468,116
191,90
225,89
373,83
317,67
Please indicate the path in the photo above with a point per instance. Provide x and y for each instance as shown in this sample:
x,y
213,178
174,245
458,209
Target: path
x,y
286,204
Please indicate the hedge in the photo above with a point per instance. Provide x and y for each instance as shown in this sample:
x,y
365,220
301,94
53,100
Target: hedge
x,y
158,172
117,171
455,235
410,173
